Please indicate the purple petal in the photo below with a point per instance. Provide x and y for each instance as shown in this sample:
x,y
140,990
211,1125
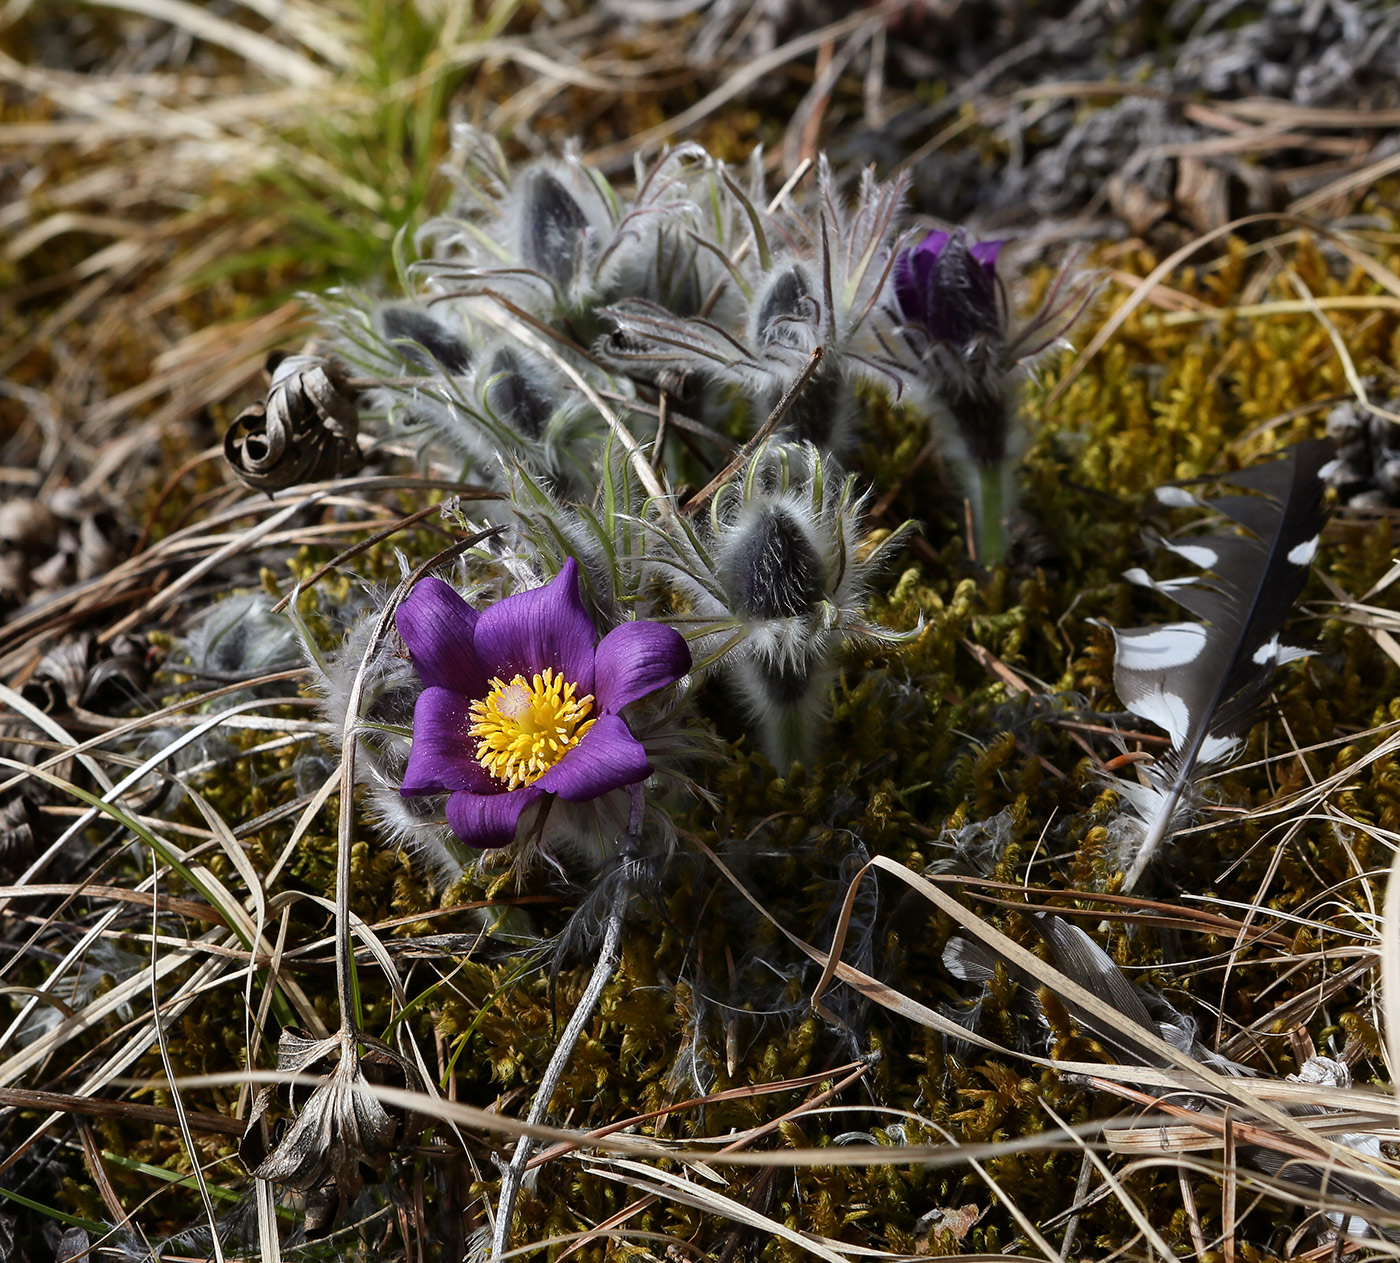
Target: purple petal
x,y
607,758
547,627
985,252
932,245
635,659
439,627
906,291
488,820
441,759
915,283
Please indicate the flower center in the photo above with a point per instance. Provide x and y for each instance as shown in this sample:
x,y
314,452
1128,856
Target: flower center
x,y
525,728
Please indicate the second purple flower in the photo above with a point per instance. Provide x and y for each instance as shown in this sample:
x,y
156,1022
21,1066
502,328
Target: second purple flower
x,y
947,290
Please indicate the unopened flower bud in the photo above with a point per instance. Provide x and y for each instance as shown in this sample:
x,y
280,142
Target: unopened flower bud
x,y
788,299
552,228
425,340
521,401
775,571
948,289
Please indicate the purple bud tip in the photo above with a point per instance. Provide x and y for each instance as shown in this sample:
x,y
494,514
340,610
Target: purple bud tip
x,y
948,289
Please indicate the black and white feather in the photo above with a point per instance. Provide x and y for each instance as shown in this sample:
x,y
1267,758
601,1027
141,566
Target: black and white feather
x,y
1202,682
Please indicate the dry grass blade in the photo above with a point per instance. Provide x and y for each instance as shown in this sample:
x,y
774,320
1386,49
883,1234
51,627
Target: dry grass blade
x,y
183,1120
1390,967
664,1184
738,81
258,49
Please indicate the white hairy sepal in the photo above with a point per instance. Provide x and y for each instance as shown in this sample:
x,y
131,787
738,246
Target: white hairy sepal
x,y
427,339
390,689
712,572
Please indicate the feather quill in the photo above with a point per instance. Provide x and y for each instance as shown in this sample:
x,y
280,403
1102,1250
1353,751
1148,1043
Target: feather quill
x,y
1202,682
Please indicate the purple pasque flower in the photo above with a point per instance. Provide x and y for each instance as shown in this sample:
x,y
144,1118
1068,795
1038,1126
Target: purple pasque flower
x,y
522,700
948,289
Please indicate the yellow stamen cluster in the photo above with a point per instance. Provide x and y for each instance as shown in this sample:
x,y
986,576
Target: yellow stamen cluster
x,y
525,728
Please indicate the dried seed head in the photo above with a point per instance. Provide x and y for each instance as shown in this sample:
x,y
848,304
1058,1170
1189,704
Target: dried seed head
x,y
552,228
775,570
342,1135
519,400
305,431
425,340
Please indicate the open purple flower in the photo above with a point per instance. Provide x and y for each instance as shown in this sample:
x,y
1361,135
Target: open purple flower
x,y
522,700
948,289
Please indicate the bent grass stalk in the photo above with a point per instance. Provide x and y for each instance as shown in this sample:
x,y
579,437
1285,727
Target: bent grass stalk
x,y
608,953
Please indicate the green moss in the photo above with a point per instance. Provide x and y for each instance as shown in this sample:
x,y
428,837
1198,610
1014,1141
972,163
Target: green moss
x,y
922,743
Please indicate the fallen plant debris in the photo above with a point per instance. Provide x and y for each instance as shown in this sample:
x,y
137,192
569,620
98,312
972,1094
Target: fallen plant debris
x,y
341,1134
793,819
305,432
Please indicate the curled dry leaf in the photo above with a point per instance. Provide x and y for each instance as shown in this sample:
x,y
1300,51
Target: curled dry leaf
x,y
341,1135
306,430
81,673
61,537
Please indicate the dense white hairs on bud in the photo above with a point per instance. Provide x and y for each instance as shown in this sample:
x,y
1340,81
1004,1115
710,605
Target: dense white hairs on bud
x,y
501,405
557,240
555,224
817,290
672,241
429,339
512,410
778,578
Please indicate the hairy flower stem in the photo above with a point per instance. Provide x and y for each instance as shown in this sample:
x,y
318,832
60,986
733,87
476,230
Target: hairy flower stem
x,y
608,954
991,528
